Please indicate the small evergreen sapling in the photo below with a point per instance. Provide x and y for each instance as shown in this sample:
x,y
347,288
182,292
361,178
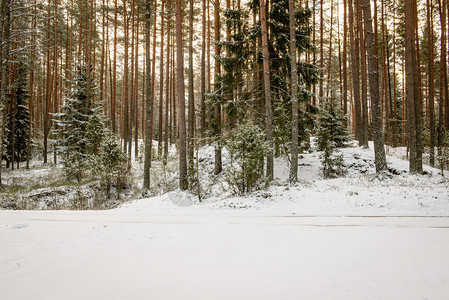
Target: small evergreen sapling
x,y
247,148
331,135
331,127
110,165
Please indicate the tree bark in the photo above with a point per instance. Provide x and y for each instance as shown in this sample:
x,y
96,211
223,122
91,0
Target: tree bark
x,y
161,84
414,119
364,75
167,87
203,76
217,106
267,88
191,114
148,99
183,182
355,49
114,74
294,160
431,82
373,71
5,41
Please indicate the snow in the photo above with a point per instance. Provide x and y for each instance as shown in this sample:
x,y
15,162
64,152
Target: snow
x,y
133,254
357,237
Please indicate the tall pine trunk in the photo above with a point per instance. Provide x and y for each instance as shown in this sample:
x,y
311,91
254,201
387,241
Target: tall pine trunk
x,y
148,99
373,72
267,88
431,82
412,94
183,182
217,107
191,114
294,160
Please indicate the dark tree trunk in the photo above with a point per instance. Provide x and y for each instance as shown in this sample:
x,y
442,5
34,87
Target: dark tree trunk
x,y
373,72
414,118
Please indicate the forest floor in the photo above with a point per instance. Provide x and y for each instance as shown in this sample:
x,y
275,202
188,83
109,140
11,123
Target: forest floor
x,y
360,236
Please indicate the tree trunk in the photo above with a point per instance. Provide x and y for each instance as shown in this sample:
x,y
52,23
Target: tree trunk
x,y
136,92
203,76
373,71
443,72
148,99
267,88
217,106
345,54
183,182
125,81
355,49
364,75
161,84
431,82
414,119
114,74
167,87
294,159
191,115
321,93
5,41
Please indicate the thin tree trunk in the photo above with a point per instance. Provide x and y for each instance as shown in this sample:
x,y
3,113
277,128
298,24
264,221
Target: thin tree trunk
x,y
114,75
167,86
355,50
345,54
217,107
161,84
329,81
364,76
443,72
125,80
136,86
148,99
203,76
431,82
183,182
191,115
267,89
294,160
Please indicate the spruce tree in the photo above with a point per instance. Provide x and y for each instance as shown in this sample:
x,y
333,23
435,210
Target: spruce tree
x,y
280,71
18,120
78,125
331,127
330,136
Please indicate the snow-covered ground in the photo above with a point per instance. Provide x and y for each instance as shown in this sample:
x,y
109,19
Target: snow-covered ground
x,y
136,254
355,237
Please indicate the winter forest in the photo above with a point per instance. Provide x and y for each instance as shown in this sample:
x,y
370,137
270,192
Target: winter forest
x,y
165,113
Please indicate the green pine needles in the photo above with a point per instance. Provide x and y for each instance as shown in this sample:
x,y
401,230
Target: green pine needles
x,y
330,136
247,150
